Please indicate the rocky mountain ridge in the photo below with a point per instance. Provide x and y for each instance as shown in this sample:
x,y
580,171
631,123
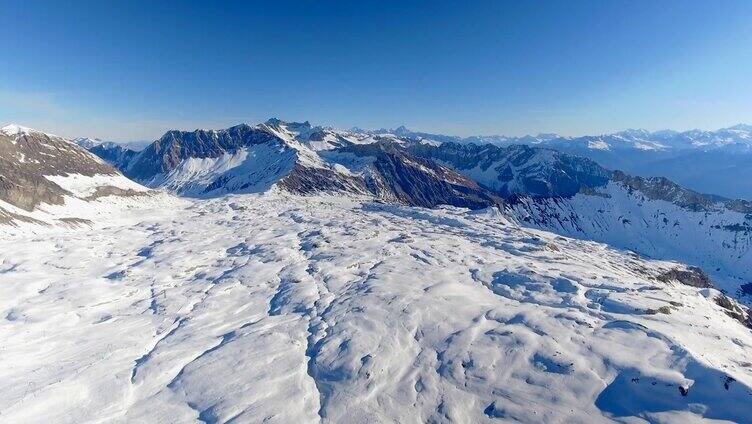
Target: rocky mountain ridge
x,y
40,170
705,161
297,158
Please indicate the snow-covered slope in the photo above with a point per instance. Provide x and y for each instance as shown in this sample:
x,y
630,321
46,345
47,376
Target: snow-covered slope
x,y
549,189
45,179
718,239
575,196
272,308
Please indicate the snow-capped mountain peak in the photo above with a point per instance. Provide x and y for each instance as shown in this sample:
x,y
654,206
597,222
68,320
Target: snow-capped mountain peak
x,y
741,127
88,142
15,130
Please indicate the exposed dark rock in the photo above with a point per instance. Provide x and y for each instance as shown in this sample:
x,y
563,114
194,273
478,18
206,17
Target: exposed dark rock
x,y
397,175
734,310
692,276
8,218
103,191
25,158
75,222
662,310
659,188
743,228
310,180
519,169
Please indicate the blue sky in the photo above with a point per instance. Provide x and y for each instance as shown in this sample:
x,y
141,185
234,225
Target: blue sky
x,y
131,70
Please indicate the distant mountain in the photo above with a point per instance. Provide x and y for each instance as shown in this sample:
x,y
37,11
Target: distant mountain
x,y
115,154
297,158
44,177
517,169
88,143
737,138
706,161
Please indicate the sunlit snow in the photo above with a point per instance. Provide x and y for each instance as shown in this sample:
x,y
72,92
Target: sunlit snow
x,y
277,308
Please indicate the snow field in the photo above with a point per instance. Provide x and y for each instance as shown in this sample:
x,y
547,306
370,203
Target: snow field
x,y
277,308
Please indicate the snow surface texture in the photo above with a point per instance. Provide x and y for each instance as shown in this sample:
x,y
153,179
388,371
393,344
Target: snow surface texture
x,y
276,308
91,201
85,186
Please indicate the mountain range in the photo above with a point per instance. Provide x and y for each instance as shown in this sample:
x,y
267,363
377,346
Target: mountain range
x,y
706,161
536,185
285,272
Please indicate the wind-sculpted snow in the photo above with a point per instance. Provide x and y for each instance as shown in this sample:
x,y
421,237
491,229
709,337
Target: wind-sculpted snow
x,y
278,308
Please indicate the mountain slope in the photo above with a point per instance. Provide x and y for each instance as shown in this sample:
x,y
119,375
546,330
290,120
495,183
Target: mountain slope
x,y
43,177
574,196
278,308
717,238
517,169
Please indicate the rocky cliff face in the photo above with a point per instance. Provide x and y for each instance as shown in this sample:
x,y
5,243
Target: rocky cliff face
x,y
393,174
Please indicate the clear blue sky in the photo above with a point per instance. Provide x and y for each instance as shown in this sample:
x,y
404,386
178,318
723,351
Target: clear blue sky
x,y
131,70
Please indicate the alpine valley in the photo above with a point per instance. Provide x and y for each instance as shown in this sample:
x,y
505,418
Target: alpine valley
x,y
285,272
